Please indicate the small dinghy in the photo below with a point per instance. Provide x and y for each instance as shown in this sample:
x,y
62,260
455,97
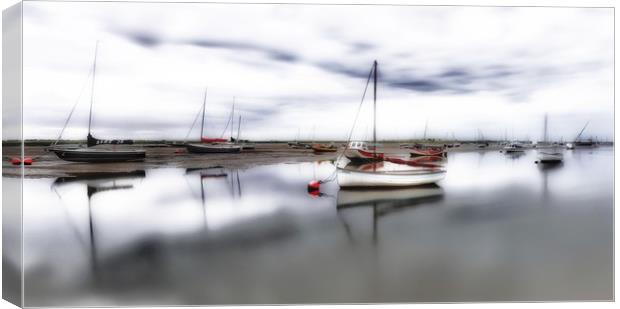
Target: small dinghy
x,y
210,145
89,153
360,152
321,148
387,172
426,150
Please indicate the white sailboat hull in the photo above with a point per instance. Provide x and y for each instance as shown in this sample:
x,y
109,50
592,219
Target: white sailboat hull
x,y
351,178
550,156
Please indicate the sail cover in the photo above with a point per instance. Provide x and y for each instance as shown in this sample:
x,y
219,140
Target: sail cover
x,y
92,141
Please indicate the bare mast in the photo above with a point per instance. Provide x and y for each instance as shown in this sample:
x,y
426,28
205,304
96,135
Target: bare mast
x,y
374,121
92,90
204,107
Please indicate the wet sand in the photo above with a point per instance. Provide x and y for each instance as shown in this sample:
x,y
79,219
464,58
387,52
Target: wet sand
x,y
46,164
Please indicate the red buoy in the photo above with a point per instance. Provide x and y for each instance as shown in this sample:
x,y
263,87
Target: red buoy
x,y
314,185
27,161
16,161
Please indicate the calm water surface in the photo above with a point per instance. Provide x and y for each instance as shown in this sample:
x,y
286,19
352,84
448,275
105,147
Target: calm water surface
x,y
497,228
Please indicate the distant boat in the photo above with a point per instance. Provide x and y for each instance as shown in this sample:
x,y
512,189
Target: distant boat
x,y
244,144
210,147
513,147
382,173
426,150
579,143
81,153
550,154
321,148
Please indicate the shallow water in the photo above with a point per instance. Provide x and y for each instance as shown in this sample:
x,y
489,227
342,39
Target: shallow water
x,y
497,228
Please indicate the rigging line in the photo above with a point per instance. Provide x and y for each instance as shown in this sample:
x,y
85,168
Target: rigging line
x,y
359,108
227,123
194,123
73,108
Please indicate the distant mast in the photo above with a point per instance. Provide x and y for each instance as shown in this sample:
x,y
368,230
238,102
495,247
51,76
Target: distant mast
x,y
204,107
92,90
545,137
232,120
374,122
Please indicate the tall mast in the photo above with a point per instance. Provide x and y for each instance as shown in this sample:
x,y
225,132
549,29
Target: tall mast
x,y
232,119
374,114
204,107
545,133
92,89
238,129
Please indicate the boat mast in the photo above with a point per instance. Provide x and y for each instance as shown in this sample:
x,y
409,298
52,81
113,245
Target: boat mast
x,y
204,107
545,132
232,119
238,129
374,114
92,89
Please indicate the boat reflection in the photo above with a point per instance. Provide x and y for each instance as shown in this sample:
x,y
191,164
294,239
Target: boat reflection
x,y
385,201
96,183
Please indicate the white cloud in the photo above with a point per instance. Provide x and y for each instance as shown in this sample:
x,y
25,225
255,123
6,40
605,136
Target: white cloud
x,y
300,66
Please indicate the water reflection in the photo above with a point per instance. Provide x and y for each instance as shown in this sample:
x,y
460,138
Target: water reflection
x,y
519,230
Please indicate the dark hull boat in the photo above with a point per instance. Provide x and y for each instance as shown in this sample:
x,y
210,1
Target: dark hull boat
x,y
95,155
213,148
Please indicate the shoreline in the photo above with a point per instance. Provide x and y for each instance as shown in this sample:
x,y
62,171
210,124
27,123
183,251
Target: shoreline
x,y
46,164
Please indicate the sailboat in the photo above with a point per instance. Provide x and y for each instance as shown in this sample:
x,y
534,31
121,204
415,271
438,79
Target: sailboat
x,y
79,153
424,149
549,154
580,143
388,173
207,145
244,144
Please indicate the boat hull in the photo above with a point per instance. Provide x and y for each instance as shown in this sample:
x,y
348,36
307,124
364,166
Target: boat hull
x,y
361,156
351,178
414,152
99,155
215,148
550,157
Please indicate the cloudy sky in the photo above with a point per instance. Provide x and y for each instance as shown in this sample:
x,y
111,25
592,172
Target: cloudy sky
x,y
303,68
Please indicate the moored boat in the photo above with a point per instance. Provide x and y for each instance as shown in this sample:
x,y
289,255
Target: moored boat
x,y
386,174
548,152
426,150
212,145
89,153
551,155
383,172
321,148
513,147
